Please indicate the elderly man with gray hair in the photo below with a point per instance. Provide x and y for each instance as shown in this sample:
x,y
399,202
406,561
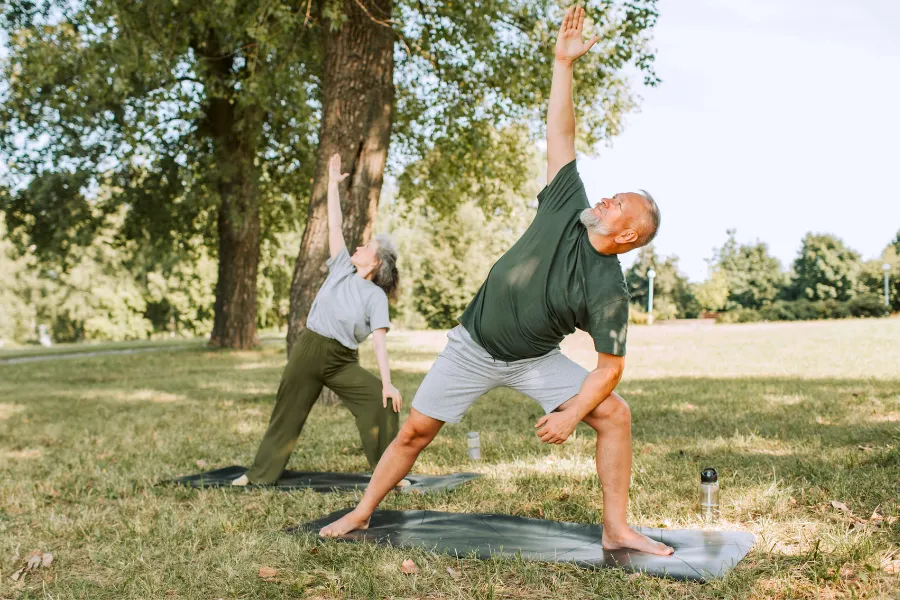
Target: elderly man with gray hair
x,y
563,274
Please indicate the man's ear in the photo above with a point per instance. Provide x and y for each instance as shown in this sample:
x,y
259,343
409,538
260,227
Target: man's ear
x,y
627,236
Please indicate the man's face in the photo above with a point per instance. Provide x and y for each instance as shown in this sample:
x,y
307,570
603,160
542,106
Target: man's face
x,y
620,212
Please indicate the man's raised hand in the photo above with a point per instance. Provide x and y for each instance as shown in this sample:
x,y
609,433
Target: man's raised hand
x,y
569,44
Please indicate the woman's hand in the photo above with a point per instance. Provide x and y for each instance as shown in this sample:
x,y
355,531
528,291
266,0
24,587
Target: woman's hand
x,y
334,170
389,391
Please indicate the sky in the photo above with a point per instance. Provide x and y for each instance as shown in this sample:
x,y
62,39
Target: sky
x,y
774,118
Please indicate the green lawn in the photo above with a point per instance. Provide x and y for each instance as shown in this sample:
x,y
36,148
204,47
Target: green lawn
x,y
794,416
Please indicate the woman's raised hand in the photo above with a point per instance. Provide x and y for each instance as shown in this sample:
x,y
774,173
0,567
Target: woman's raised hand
x,y
334,170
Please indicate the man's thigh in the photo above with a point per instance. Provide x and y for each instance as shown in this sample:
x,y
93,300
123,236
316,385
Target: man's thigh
x,y
459,376
449,389
551,381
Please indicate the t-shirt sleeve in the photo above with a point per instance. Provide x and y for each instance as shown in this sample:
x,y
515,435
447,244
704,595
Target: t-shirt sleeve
x,y
609,327
379,317
566,189
340,264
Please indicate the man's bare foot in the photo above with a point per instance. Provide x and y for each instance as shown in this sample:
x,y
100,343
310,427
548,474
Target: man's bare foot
x,y
628,538
242,480
349,522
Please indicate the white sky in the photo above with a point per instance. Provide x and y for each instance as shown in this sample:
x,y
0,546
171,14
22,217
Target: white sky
x,y
775,117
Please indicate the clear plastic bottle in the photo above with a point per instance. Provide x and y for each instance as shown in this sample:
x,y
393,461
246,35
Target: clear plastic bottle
x,y
474,445
709,493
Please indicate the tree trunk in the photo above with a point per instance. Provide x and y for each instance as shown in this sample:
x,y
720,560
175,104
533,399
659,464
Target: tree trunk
x,y
235,179
357,104
234,325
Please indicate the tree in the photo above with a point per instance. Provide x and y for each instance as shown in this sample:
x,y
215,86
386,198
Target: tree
x,y
712,294
672,294
200,117
825,269
752,276
871,276
443,81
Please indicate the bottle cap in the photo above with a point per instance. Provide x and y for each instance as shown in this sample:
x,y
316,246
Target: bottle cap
x,y
709,475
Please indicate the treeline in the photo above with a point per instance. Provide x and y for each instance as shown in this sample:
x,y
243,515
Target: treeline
x,y
827,280
113,292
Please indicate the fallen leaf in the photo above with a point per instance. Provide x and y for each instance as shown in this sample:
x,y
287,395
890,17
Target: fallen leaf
x,y
267,572
453,573
840,506
47,560
345,450
541,512
200,463
409,567
792,500
33,561
891,566
563,496
314,550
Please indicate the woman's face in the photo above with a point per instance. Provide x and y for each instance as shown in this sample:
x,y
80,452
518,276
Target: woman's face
x,y
366,256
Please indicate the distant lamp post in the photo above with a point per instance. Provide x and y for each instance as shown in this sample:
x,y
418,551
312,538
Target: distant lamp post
x,y
651,274
887,269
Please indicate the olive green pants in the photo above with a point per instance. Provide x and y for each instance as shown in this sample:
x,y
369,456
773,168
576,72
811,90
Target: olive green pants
x,y
318,361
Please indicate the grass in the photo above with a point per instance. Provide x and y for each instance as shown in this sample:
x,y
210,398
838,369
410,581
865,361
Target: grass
x,y
794,416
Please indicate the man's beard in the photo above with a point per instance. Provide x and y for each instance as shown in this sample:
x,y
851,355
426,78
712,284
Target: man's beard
x,y
593,223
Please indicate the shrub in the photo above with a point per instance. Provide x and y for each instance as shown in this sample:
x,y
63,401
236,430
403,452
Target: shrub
x,y
868,305
740,315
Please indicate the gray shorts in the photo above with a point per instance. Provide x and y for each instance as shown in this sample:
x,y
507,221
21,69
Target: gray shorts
x,y
464,371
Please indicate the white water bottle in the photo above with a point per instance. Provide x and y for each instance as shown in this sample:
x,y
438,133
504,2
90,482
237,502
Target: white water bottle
x,y
474,445
709,493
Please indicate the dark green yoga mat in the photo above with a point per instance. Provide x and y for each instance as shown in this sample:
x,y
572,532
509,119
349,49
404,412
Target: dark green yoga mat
x,y
324,482
699,555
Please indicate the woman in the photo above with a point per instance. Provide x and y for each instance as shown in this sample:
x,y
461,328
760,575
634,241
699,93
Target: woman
x,y
351,304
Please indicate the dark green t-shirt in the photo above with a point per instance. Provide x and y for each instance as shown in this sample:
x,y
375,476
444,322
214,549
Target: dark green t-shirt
x,y
551,282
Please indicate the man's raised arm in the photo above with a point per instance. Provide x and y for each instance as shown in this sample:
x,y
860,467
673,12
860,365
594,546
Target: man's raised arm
x,y
561,112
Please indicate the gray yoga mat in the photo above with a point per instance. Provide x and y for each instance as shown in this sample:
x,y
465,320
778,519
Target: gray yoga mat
x,y
324,482
699,555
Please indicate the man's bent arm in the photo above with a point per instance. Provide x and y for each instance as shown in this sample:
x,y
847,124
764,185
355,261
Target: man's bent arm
x,y
598,385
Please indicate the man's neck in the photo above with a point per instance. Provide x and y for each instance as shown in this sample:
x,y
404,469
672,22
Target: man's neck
x,y
603,244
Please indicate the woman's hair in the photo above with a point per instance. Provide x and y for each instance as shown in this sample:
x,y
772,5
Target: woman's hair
x,y
386,275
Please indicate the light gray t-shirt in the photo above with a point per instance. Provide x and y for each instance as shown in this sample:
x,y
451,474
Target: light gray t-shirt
x,y
347,308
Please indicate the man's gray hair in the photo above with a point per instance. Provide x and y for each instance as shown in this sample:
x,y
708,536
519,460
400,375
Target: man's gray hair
x,y
649,227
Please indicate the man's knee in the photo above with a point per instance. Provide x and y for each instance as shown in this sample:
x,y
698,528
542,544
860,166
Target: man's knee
x,y
613,411
418,431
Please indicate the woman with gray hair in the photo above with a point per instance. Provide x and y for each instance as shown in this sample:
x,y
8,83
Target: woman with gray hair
x,y
351,304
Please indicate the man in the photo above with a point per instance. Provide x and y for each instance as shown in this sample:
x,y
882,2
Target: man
x,y
561,275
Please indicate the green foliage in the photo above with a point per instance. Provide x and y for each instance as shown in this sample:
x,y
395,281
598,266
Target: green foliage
x,y
445,259
871,275
752,276
739,315
712,294
825,269
672,294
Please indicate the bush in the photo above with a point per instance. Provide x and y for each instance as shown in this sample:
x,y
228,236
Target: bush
x,y
741,315
778,311
869,305
637,315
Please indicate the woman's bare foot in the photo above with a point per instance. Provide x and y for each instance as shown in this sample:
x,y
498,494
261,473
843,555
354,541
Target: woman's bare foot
x,y
242,480
631,539
349,522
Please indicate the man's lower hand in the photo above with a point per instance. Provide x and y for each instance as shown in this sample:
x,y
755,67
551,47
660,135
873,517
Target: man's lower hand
x,y
556,427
